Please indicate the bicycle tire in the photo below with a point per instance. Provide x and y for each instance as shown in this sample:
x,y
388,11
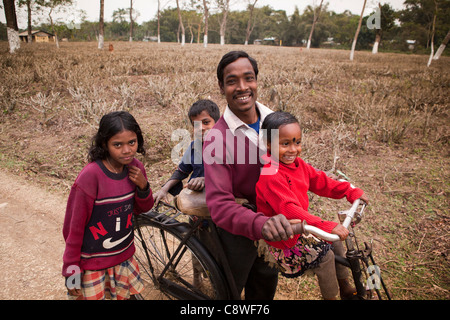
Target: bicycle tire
x,y
193,275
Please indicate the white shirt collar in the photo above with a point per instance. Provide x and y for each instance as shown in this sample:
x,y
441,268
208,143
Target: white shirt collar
x,y
235,123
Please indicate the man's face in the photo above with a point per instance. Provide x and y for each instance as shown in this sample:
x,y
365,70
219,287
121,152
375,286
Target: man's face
x,y
239,86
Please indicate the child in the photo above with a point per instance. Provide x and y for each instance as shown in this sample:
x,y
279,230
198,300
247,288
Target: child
x,y
285,192
206,112
98,226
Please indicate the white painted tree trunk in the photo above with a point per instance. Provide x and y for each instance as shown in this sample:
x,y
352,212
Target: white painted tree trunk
x,y
431,54
439,52
442,47
13,40
222,40
101,41
375,47
308,45
352,53
205,40
183,39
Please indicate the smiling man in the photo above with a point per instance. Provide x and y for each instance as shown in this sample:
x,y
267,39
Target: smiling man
x,y
228,178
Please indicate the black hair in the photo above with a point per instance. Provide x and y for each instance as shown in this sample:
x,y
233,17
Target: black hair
x,y
202,105
275,120
110,125
231,57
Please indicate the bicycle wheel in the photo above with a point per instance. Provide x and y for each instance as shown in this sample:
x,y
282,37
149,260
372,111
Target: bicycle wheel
x,y
171,269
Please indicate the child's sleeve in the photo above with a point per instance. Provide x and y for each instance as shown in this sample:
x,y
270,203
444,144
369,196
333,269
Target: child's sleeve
x,y
324,186
283,201
78,211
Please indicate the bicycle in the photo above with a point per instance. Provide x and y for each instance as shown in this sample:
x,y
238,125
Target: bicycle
x,y
360,261
175,264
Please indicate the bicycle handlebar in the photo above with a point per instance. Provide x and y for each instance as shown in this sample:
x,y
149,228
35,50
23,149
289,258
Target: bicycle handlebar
x,y
306,229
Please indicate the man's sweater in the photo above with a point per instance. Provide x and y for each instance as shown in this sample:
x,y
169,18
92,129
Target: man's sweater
x,y
232,168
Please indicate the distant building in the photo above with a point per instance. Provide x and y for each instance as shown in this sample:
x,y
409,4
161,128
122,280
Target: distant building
x,y
411,44
37,36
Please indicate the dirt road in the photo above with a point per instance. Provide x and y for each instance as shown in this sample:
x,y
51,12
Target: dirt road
x,y
32,245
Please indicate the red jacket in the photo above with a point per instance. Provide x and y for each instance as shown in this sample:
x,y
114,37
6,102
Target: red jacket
x,y
286,192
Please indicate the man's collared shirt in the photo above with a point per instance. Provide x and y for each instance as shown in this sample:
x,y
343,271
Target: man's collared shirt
x,y
234,123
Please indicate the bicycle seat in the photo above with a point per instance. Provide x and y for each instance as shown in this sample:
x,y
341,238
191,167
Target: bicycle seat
x,y
193,203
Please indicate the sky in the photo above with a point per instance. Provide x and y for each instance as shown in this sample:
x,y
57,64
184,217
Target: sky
x,y
147,8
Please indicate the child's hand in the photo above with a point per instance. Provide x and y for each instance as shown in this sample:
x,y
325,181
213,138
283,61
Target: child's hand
x,y
74,292
364,198
137,177
341,231
196,184
160,195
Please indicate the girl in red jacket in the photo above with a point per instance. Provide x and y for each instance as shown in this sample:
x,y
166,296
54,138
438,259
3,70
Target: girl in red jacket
x,y
98,226
285,192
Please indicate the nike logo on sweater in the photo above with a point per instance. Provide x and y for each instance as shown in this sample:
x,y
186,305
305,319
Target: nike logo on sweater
x,y
108,244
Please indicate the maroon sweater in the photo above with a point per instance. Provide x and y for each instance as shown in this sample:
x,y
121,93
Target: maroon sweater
x,y
230,175
286,192
98,226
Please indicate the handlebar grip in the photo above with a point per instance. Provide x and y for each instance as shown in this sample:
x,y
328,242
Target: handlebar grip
x,y
305,229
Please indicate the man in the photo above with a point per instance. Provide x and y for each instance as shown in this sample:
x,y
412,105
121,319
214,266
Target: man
x,y
232,168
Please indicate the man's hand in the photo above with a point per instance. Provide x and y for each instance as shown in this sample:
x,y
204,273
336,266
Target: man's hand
x,y
277,228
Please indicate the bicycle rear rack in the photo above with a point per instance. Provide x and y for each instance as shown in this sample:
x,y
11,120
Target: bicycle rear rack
x,y
167,217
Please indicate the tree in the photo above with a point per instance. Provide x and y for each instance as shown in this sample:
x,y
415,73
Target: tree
x,y
159,23
432,34
54,6
101,25
224,5
251,22
131,20
442,47
206,14
11,25
28,3
315,19
183,36
352,52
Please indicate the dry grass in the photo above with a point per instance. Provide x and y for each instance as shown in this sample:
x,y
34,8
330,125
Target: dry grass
x,y
382,120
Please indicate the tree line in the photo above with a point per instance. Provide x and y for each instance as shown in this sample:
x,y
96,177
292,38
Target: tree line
x,y
412,29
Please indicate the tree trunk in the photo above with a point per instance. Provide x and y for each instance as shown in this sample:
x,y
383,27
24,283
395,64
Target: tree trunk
x,y
53,28
352,53
131,20
159,25
442,47
11,25
223,23
376,44
250,25
315,19
30,35
101,25
205,37
183,38
432,34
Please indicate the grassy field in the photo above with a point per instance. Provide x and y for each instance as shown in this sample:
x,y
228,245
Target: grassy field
x,y
382,120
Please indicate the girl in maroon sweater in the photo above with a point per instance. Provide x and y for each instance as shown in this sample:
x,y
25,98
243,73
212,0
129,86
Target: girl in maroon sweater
x,y
285,192
98,227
